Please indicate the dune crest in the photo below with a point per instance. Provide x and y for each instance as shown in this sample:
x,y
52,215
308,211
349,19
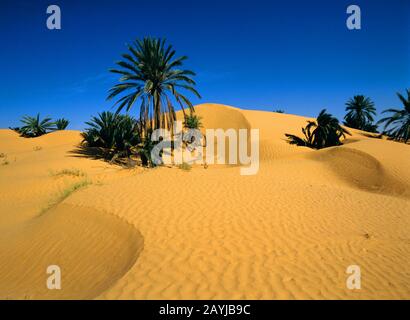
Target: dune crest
x,y
362,170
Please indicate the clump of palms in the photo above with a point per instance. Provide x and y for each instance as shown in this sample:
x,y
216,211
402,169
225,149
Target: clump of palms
x,y
397,125
34,126
116,135
325,132
192,121
360,113
61,124
151,74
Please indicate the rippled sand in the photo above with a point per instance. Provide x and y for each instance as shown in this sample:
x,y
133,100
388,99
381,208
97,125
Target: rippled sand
x,y
288,232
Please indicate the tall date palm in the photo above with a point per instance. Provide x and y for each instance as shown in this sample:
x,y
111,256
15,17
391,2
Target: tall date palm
x,y
360,112
152,75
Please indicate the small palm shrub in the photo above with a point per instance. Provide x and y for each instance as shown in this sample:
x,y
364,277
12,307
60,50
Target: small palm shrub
x,y
34,126
279,111
193,121
323,133
61,124
116,135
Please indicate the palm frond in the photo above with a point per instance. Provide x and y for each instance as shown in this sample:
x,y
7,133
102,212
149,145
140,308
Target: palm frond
x,y
151,73
397,125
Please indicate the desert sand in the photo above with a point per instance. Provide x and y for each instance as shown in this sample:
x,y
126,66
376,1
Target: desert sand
x,y
289,232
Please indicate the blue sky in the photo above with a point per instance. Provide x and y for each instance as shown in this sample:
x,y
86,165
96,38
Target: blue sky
x,y
293,55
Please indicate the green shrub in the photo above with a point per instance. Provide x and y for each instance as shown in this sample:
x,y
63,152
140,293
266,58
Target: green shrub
x,y
65,194
193,121
34,126
325,132
61,124
117,135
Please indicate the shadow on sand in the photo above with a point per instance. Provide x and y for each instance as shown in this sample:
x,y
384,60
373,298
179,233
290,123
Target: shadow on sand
x,y
82,151
95,153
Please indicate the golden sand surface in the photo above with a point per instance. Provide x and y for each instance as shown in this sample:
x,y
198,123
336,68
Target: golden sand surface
x,y
288,232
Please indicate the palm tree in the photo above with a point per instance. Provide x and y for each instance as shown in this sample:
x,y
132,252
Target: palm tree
x,y
34,126
193,121
399,121
151,75
360,112
61,124
322,133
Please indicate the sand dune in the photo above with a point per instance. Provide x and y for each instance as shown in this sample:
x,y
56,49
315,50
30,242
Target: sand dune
x,y
288,232
80,240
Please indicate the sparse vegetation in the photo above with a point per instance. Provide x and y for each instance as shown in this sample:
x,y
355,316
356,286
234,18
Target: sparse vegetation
x,y
74,187
65,194
279,111
37,148
322,133
68,172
